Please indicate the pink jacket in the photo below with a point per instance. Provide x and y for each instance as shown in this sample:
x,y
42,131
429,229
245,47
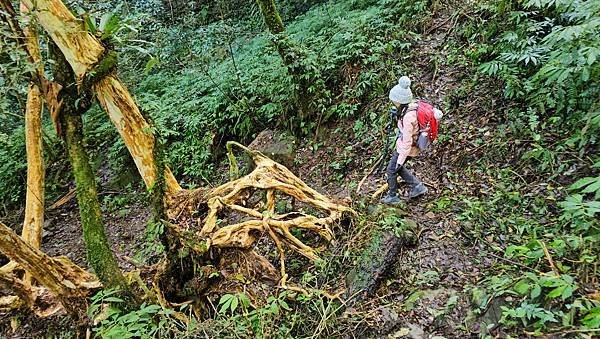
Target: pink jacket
x,y
409,128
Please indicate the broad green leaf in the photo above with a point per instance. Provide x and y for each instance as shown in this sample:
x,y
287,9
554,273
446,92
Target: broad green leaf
x,y
535,291
522,287
583,182
234,304
567,292
556,292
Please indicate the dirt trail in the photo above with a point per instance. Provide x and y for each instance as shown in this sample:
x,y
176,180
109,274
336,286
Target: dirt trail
x,y
439,271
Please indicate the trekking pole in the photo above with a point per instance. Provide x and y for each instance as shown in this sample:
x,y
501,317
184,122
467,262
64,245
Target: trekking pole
x,y
381,161
386,149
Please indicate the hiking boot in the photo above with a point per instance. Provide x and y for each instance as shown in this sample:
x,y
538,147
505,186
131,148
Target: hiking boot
x,y
390,199
418,190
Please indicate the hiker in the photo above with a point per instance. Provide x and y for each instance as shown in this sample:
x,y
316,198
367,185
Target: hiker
x,y
409,141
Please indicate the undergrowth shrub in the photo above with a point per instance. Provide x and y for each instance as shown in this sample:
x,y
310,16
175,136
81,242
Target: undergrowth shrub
x,y
546,52
113,319
233,83
556,251
12,166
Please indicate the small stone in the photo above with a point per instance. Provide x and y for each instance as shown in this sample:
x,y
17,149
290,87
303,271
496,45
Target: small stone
x,y
416,332
403,332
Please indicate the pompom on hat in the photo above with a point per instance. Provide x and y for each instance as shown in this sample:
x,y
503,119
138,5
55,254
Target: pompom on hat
x,y
438,114
401,93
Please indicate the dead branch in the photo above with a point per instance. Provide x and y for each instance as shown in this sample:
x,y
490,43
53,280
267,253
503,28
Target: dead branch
x,y
64,279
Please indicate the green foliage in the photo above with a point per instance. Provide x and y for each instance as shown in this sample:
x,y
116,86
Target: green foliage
x,y
393,223
260,322
234,92
546,52
113,320
523,228
12,167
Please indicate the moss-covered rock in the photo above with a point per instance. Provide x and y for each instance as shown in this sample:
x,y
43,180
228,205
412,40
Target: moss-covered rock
x,y
378,257
277,145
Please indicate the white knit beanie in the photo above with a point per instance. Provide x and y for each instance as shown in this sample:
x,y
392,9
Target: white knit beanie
x,y
401,93
438,114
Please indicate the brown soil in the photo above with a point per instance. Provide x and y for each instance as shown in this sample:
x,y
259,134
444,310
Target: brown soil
x,y
441,266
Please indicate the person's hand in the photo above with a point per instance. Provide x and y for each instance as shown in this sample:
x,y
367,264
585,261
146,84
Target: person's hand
x,y
398,165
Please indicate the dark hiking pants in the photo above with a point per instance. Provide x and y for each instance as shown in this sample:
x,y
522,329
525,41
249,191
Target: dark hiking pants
x,y
392,175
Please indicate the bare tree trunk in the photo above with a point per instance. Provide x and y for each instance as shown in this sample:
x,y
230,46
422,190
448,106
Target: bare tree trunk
x,y
34,199
85,53
81,49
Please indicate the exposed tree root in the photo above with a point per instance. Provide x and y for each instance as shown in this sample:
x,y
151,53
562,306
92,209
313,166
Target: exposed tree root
x,y
379,191
92,67
71,284
271,177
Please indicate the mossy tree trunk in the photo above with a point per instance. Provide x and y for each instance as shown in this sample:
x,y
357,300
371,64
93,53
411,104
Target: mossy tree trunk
x,y
99,254
271,16
291,54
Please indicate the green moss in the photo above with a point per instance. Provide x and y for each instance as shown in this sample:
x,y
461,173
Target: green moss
x,y
99,255
271,16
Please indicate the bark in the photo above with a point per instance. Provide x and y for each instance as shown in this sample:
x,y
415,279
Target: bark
x,y
134,130
99,254
18,287
63,278
34,199
85,54
81,49
271,16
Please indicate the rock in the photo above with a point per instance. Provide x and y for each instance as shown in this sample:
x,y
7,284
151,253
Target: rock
x,y
390,319
277,145
416,332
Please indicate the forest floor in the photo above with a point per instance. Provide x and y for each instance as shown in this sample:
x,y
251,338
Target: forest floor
x,y
428,291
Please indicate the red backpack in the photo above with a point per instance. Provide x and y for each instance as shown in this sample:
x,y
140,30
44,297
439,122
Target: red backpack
x,y
428,125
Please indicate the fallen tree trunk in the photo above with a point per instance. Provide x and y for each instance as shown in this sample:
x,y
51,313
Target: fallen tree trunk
x,y
70,283
376,259
18,287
